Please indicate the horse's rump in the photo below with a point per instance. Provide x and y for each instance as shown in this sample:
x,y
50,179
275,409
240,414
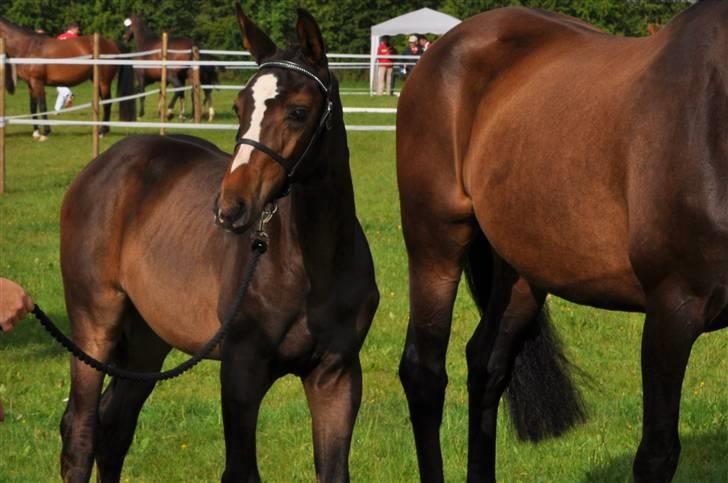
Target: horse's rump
x,y
551,120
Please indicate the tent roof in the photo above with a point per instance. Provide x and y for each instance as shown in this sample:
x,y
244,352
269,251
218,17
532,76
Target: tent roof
x,y
422,21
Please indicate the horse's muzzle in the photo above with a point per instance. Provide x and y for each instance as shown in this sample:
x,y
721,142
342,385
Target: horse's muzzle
x,y
231,218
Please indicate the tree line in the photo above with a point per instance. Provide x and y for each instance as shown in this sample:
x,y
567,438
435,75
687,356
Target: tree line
x,y
345,24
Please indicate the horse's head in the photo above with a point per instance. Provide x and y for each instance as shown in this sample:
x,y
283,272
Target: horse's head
x,y
282,110
130,24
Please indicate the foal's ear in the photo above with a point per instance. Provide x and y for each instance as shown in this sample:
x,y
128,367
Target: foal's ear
x,y
254,39
309,37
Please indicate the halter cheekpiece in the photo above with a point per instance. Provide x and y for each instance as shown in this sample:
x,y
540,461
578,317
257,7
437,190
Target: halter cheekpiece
x,y
291,166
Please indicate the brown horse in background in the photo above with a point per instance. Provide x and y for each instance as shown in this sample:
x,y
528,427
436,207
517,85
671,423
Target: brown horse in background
x,y
145,39
572,162
145,268
22,42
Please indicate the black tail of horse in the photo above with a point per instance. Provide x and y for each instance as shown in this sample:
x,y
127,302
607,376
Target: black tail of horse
x,y
10,78
542,399
125,87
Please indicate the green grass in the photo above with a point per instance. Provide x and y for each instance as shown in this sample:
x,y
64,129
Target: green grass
x,y
180,430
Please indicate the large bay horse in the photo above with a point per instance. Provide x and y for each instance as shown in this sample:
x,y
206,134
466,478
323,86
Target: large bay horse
x,y
145,39
146,269
567,161
22,42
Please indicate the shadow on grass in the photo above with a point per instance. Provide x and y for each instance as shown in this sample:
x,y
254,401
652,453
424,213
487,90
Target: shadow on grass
x,y
702,459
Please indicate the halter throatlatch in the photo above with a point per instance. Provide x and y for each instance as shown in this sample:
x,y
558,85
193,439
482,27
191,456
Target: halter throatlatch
x,y
291,165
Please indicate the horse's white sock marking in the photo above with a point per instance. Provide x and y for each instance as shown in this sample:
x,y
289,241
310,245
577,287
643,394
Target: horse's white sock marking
x,y
265,88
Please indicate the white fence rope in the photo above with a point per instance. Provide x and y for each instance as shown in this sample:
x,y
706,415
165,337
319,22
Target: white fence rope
x,y
130,55
120,59
166,125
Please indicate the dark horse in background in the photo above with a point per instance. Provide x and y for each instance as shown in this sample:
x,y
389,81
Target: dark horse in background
x,y
145,268
145,39
22,42
571,162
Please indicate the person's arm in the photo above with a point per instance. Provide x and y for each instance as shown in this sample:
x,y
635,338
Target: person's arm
x,y
15,304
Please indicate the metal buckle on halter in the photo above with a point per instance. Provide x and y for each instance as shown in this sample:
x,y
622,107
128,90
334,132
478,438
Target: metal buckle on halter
x,y
259,236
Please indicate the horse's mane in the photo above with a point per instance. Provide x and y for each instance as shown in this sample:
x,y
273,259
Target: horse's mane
x,y
20,29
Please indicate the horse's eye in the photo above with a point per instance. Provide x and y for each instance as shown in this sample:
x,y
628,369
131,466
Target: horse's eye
x,y
298,114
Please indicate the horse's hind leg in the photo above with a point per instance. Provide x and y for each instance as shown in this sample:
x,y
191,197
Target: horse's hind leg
x,y
672,325
140,350
94,324
435,250
509,306
176,83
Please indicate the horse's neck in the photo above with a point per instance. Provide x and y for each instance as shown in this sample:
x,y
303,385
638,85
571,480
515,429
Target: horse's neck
x,y
144,37
322,205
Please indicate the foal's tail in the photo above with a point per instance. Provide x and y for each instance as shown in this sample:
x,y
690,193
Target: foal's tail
x,y
542,399
125,87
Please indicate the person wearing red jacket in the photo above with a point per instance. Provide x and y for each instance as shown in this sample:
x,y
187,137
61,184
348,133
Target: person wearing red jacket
x,y
65,96
384,67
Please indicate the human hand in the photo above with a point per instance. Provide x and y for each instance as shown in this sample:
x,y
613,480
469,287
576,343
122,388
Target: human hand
x,y
15,303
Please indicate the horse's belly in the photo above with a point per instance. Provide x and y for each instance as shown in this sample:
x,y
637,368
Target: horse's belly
x,y
67,75
182,314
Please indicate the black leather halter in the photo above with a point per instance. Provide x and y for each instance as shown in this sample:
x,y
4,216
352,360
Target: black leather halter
x,y
291,165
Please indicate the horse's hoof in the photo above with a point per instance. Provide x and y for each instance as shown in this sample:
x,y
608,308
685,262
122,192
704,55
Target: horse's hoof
x,y
42,138
36,134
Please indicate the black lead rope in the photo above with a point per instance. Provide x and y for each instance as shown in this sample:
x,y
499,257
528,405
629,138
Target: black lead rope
x,y
259,247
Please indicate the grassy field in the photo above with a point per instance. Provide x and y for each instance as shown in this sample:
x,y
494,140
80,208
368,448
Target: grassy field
x,y
179,437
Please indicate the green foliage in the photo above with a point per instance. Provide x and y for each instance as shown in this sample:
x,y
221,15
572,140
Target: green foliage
x,y
345,23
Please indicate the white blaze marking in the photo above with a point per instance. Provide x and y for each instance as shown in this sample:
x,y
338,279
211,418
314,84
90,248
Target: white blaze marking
x,y
265,88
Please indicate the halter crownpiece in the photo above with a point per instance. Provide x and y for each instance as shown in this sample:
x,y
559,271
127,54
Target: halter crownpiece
x,y
291,166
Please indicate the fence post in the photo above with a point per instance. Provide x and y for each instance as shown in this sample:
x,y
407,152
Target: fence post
x,y
163,83
196,101
95,101
2,115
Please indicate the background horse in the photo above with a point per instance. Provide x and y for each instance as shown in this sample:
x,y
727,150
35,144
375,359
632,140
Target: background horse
x,y
145,39
22,42
145,269
571,162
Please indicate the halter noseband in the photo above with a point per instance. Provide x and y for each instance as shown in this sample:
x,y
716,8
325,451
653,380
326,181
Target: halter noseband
x,y
290,166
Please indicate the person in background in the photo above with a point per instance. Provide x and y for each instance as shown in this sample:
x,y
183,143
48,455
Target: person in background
x,y
424,43
65,96
413,48
384,70
15,304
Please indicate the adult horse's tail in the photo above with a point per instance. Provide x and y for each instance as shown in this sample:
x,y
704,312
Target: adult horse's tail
x,y
10,78
125,87
542,399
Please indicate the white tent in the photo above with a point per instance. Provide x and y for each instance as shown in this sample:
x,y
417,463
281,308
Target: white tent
x,y
422,21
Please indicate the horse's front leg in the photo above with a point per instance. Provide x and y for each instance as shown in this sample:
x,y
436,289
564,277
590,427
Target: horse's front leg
x,y
333,390
672,325
244,380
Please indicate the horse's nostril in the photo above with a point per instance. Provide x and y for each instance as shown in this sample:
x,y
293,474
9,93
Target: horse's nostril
x,y
231,215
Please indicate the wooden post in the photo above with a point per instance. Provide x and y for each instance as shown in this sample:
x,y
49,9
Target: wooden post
x,y
163,83
95,102
2,115
196,100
